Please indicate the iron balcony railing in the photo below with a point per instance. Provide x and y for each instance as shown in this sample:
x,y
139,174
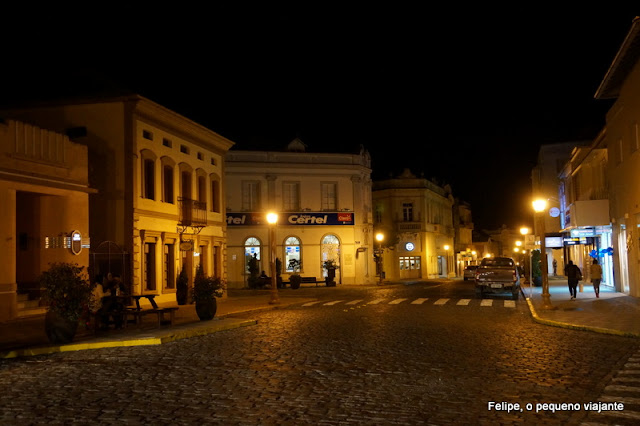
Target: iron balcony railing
x,y
192,212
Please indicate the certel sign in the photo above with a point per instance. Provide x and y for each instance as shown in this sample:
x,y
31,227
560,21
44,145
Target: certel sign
x,y
303,218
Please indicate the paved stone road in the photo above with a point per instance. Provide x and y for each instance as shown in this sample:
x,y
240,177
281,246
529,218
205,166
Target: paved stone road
x,y
379,363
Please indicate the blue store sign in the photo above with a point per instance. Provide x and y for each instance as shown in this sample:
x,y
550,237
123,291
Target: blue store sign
x,y
298,218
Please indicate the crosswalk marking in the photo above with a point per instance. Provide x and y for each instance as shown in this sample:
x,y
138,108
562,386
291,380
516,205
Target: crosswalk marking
x,y
629,366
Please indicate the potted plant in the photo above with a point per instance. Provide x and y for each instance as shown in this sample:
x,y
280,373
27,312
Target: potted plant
x,y
331,266
536,270
182,287
67,293
205,291
295,279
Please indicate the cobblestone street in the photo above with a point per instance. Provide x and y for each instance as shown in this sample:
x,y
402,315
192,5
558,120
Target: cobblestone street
x,y
329,364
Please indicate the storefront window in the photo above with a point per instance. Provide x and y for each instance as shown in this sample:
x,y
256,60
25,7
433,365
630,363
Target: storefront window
x,y
292,259
251,248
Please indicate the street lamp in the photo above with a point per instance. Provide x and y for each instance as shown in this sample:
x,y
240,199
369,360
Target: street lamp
x,y
272,220
379,239
539,206
446,249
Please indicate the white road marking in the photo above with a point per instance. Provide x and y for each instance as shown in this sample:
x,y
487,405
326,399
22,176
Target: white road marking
x,y
397,301
441,301
486,302
463,302
509,303
375,302
419,301
312,303
332,303
354,302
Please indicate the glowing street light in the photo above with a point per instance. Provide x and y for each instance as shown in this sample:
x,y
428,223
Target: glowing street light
x,y
539,206
379,252
272,220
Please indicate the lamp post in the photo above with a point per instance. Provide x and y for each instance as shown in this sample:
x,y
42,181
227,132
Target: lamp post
x,y
272,220
525,231
539,206
379,239
446,249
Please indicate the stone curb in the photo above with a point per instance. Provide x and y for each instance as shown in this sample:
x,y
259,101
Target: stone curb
x,y
560,324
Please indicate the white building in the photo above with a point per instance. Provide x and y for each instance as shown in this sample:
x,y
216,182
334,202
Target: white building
x,y
416,216
622,84
160,192
324,205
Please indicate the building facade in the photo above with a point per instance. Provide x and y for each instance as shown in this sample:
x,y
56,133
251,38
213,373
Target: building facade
x,y
584,210
323,202
159,178
44,210
416,217
621,84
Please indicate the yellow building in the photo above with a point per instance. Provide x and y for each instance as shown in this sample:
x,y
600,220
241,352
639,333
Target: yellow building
x,y
324,205
44,210
160,192
416,216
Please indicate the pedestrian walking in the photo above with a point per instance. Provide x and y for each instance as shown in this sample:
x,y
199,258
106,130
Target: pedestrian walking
x,y
596,276
573,275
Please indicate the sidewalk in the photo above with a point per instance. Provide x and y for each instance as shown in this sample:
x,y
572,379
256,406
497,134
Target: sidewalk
x,y
612,313
26,336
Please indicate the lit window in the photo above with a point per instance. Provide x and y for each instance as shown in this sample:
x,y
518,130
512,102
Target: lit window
x,y
292,262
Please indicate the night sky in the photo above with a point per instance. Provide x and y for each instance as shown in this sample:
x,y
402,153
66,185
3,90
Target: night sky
x,y
466,98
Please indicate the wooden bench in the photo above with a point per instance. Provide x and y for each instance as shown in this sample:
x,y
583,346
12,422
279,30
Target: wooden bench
x,y
137,314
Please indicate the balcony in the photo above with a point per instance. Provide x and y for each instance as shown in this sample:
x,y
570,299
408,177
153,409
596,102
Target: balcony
x,y
192,213
409,226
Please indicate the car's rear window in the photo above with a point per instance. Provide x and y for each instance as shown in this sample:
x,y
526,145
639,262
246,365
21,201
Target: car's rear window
x,y
497,262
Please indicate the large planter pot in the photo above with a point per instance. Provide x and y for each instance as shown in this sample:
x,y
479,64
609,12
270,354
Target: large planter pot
x,y
295,281
206,309
537,281
58,329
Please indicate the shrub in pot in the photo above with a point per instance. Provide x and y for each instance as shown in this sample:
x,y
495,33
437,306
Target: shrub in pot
x,y
205,291
331,266
536,268
67,293
254,270
295,278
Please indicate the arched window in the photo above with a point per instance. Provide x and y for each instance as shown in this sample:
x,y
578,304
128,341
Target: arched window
x,y
292,257
167,179
252,248
148,174
215,193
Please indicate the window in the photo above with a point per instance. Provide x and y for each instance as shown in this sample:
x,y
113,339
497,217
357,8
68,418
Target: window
x,y
149,266
409,263
200,156
213,161
148,178
167,143
169,266
147,135
407,212
291,196
167,184
636,137
329,197
378,213
184,149
292,262
215,194
251,248
202,190
251,196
